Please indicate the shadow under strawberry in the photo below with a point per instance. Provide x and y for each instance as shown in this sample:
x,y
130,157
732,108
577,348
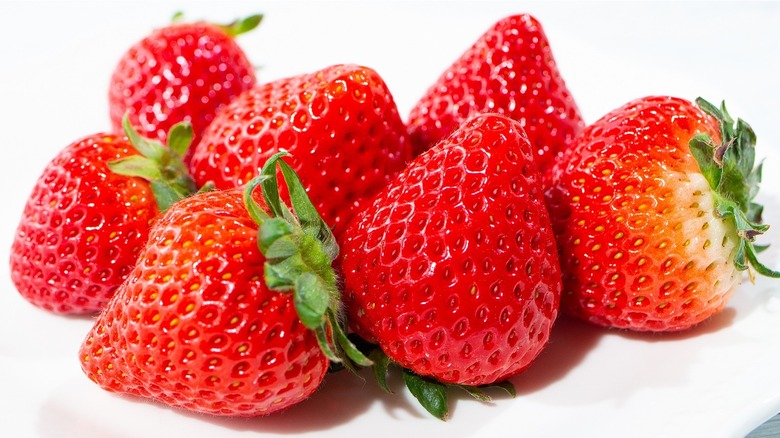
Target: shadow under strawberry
x,y
571,341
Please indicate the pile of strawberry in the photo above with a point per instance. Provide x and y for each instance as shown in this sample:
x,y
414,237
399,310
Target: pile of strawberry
x,y
241,239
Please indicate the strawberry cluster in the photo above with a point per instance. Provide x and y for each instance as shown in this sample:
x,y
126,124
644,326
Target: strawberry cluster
x,y
238,239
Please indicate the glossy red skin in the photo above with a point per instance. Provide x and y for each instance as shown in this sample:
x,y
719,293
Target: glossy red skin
x,y
509,70
195,325
614,191
82,228
340,124
182,72
452,269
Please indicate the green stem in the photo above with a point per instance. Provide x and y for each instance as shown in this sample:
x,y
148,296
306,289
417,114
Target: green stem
x,y
299,250
730,170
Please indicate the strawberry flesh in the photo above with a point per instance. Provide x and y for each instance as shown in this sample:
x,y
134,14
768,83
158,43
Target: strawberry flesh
x,y
509,70
452,269
340,126
81,228
182,72
642,246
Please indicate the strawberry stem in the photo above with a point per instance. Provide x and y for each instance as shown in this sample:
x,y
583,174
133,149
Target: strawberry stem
x,y
243,25
233,29
299,249
730,171
163,167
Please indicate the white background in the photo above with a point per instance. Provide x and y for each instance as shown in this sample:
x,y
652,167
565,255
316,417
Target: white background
x,y
719,380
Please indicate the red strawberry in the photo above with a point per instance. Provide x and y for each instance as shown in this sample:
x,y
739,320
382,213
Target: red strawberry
x,y
509,70
181,72
654,214
452,269
84,225
340,124
208,323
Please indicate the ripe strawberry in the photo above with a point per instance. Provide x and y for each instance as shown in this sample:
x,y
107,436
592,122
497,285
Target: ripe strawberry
x,y
181,72
509,70
452,269
654,215
340,124
84,224
196,325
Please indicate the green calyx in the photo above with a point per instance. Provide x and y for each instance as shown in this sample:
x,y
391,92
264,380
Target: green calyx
x,y
430,393
162,166
299,249
242,25
730,170
237,27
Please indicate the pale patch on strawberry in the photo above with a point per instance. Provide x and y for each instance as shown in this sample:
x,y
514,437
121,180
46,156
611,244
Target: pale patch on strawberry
x,y
710,242
654,212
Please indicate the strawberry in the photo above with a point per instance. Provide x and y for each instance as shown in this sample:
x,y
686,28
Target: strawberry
x,y
84,224
654,215
181,72
341,123
230,310
509,70
452,269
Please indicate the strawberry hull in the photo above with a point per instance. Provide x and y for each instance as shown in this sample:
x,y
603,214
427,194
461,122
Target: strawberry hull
x,y
643,243
452,269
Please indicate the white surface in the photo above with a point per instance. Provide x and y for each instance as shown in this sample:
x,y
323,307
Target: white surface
x,y
719,380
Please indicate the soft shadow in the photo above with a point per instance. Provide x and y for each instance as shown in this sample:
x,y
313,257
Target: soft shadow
x,y
570,342
341,397
714,324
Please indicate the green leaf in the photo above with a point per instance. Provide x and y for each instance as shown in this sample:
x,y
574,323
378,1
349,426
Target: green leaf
x,y
297,245
324,343
380,368
757,265
209,186
180,138
282,248
245,25
147,148
506,385
734,184
349,348
136,165
164,195
740,261
271,188
432,395
760,248
754,182
283,272
272,230
311,300
307,213
165,170
709,108
738,183
255,212
178,16
474,392
304,210
703,151
277,278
